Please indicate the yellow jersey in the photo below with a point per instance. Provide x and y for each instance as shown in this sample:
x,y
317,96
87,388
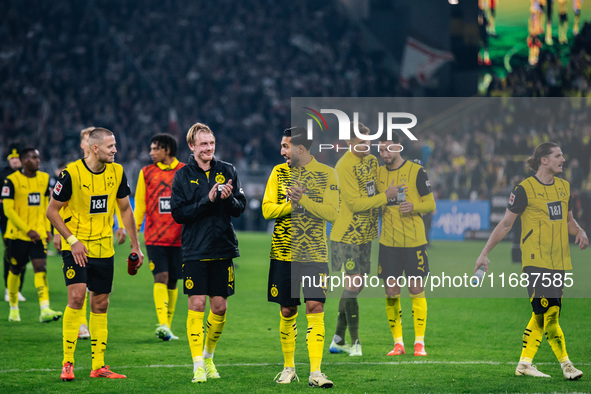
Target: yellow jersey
x,y
544,230
357,222
91,199
404,230
25,202
320,204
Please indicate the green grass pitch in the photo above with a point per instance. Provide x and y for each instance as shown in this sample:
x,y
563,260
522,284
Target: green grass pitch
x,y
473,343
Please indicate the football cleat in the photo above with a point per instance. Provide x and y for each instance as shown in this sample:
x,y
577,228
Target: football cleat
x,y
105,372
14,315
173,337
67,372
397,351
83,332
49,315
335,348
318,379
200,376
212,372
526,369
356,349
570,372
420,349
286,376
163,332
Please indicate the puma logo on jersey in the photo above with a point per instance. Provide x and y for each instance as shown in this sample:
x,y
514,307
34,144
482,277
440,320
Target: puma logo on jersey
x,y
196,181
86,186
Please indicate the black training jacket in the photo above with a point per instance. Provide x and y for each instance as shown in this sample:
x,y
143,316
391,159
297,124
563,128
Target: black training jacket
x,y
207,229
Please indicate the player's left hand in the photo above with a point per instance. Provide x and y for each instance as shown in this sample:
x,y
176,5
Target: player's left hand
x,y
406,207
581,239
296,192
49,237
34,235
121,235
226,190
140,255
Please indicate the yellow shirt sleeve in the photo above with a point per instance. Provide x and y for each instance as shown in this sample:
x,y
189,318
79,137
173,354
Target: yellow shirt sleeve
x,y
140,200
11,214
272,209
426,205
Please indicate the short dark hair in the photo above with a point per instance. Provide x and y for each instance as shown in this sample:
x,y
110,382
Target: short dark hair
x,y
165,141
395,138
25,152
299,137
98,133
292,130
542,150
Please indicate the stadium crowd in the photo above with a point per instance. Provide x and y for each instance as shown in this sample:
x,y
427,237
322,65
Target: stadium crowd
x,y
143,67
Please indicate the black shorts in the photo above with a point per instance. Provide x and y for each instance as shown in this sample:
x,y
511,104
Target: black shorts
x,y
544,287
211,278
396,261
355,258
19,252
98,273
286,278
166,259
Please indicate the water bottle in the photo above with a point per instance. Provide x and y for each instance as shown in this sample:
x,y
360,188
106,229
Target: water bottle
x,y
132,261
401,197
479,274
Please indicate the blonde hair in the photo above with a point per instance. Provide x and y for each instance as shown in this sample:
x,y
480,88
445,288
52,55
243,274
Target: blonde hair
x,y
86,131
196,129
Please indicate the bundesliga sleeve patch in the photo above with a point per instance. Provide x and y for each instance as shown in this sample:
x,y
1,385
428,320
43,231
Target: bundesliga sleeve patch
x,y
511,199
58,188
5,191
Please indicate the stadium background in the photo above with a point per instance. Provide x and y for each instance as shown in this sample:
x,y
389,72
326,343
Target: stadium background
x,y
143,67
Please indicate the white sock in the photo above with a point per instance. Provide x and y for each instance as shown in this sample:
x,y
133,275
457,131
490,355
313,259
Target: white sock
x,y
197,364
207,354
337,338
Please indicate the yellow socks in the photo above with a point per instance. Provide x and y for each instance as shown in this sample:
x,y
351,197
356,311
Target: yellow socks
x,y
71,323
42,289
419,314
532,338
288,331
394,313
195,334
98,338
83,319
12,283
172,297
215,327
554,333
161,302
315,339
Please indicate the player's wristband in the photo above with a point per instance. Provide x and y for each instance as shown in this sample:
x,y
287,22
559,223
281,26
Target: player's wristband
x,y
72,239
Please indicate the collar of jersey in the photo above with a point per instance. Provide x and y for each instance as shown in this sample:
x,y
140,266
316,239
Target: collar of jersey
x,y
545,184
171,166
92,172
396,169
